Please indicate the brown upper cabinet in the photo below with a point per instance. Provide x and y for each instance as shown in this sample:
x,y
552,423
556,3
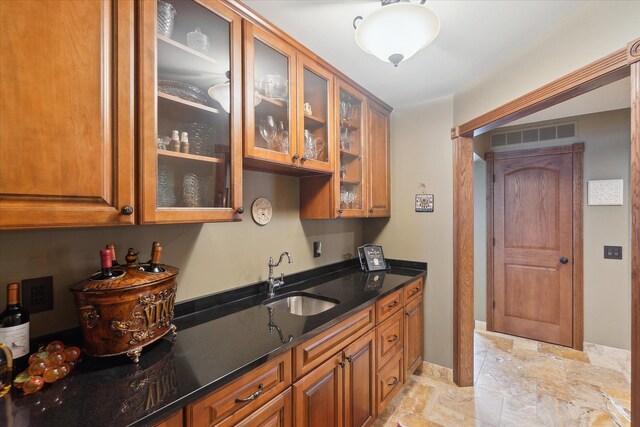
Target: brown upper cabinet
x,y
288,101
360,185
66,114
167,101
190,142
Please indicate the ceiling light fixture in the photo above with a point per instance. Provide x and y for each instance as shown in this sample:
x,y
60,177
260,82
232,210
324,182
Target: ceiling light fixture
x,y
397,30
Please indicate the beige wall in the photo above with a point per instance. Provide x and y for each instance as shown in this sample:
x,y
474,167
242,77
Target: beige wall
x,y
596,29
212,257
607,283
421,153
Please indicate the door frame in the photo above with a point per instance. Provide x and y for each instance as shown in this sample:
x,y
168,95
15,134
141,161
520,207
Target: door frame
x,y
577,150
621,63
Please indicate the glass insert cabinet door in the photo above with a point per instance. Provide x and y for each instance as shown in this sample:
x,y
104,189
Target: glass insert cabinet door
x,y
351,190
270,124
315,111
191,131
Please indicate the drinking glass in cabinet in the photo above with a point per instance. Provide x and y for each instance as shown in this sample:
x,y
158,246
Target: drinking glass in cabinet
x,y
282,138
165,15
197,40
268,130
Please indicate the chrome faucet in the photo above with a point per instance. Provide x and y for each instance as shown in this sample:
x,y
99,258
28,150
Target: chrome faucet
x,y
273,284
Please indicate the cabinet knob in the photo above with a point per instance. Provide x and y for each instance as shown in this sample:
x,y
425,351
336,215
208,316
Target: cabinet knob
x,y
340,211
304,158
564,260
126,210
370,210
240,210
296,156
349,359
342,364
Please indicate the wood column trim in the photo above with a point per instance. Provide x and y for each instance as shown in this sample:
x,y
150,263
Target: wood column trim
x,y
599,73
578,254
463,318
633,59
489,158
633,51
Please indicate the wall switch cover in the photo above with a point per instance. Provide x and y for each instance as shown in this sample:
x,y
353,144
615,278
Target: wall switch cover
x,y
37,294
317,249
613,252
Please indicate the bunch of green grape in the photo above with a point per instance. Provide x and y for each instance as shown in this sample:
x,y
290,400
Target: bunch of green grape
x,y
47,365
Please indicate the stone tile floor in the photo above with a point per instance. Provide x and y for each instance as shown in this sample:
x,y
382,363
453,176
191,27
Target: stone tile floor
x,y
519,382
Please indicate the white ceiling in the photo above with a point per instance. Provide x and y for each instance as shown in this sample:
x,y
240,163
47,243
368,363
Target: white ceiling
x,y
475,37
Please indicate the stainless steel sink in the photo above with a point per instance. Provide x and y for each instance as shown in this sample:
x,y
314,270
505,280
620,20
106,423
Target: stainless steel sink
x,y
301,303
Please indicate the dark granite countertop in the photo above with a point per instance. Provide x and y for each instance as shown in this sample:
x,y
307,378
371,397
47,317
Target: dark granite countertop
x,y
215,345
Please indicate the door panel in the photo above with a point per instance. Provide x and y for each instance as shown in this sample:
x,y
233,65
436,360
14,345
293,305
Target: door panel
x,y
360,385
533,290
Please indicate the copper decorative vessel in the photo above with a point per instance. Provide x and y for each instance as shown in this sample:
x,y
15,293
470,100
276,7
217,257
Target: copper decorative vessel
x,y
122,314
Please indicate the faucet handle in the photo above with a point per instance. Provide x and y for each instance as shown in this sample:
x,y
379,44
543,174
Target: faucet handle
x,y
281,279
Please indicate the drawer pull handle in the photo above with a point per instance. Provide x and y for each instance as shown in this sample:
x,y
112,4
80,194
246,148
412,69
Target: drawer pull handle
x,y
394,382
252,396
395,303
415,291
393,339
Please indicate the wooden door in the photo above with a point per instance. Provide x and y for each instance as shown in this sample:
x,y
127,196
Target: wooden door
x,y
360,382
201,183
66,113
318,397
413,336
379,162
533,253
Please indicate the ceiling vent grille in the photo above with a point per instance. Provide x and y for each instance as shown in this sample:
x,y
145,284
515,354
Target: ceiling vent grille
x,y
545,133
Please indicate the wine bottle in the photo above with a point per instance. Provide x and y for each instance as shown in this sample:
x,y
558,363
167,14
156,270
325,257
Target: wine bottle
x,y
6,369
154,264
105,260
112,248
14,328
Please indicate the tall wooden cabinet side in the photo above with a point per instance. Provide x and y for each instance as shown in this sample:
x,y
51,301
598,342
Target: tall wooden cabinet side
x,y
66,114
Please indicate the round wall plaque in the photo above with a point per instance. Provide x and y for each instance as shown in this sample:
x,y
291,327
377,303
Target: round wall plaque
x,y
261,211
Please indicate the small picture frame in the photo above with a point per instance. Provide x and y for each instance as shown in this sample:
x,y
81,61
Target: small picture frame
x,y
424,202
371,258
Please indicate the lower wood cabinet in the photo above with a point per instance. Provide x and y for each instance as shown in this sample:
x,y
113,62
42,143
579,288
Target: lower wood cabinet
x,y
359,381
175,420
241,398
413,336
276,413
341,391
318,397
389,381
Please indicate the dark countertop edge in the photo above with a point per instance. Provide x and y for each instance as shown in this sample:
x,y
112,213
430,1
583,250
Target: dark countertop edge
x,y
164,412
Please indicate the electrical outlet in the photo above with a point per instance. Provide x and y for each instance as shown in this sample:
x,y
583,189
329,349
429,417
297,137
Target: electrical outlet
x,y
613,252
317,249
37,294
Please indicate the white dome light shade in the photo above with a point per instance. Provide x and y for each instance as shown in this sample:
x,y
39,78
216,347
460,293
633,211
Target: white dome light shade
x,y
222,94
395,32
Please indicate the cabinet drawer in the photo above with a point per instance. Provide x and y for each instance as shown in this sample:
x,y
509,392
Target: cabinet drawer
x,y
390,338
235,401
388,305
389,380
412,290
312,353
174,420
276,413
